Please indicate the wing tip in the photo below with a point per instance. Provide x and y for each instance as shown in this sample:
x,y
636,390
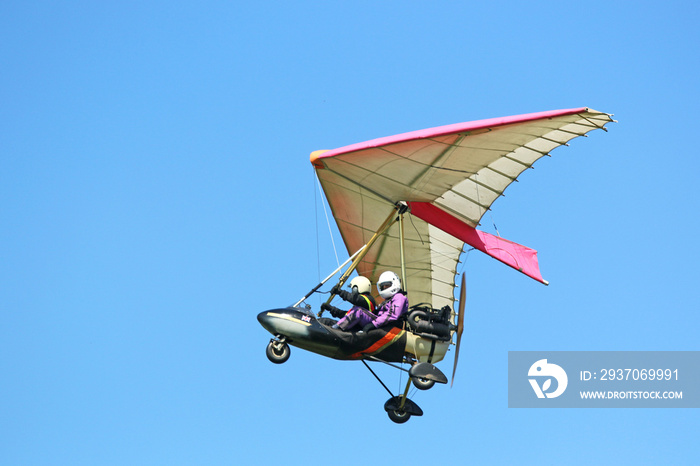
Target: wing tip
x,y
315,156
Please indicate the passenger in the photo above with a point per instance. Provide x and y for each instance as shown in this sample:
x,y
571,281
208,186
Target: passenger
x,y
395,305
361,299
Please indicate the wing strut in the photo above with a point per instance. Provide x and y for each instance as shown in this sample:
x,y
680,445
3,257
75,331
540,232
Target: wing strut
x,y
359,255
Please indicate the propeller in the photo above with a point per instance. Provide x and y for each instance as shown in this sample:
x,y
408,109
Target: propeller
x,y
460,324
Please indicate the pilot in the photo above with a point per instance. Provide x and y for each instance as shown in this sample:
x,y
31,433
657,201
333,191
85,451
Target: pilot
x,y
363,304
394,306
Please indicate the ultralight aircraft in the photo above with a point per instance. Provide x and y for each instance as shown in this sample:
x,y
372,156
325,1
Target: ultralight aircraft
x,y
410,203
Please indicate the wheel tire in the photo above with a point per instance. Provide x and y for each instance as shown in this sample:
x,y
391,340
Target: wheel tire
x,y
422,384
398,417
277,352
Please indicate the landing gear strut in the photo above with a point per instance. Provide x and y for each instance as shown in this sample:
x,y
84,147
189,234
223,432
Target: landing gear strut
x,y
399,408
278,351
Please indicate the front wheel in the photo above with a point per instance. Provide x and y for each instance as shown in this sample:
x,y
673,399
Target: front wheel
x,y
398,413
277,352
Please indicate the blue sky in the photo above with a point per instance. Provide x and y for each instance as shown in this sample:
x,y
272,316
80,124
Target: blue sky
x,y
156,194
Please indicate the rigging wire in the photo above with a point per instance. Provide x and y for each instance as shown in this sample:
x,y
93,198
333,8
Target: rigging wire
x,y
410,217
478,200
330,231
318,247
494,224
463,263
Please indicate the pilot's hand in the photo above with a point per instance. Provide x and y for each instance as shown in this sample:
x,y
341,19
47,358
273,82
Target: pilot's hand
x,y
337,313
368,327
335,289
326,307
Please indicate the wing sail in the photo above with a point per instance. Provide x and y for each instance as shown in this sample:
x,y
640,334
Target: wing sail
x,y
450,175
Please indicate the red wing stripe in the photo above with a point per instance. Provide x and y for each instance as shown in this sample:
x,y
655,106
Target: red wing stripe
x,y
519,257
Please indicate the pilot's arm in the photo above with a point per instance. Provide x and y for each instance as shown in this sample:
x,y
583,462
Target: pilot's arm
x,y
353,298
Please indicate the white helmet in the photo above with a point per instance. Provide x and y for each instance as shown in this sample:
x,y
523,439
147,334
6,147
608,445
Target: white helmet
x,y
361,284
388,285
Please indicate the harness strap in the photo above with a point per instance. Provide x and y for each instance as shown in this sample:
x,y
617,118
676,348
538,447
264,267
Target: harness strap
x,y
370,308
370,304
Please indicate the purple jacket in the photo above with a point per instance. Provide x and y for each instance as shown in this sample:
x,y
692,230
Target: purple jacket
x,y
391,309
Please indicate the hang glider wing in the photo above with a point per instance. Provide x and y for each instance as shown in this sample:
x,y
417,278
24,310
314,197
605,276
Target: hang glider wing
x,y
449,176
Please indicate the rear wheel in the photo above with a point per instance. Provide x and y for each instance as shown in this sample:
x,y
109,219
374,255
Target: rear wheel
x,y
277,352
398,417
422,384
